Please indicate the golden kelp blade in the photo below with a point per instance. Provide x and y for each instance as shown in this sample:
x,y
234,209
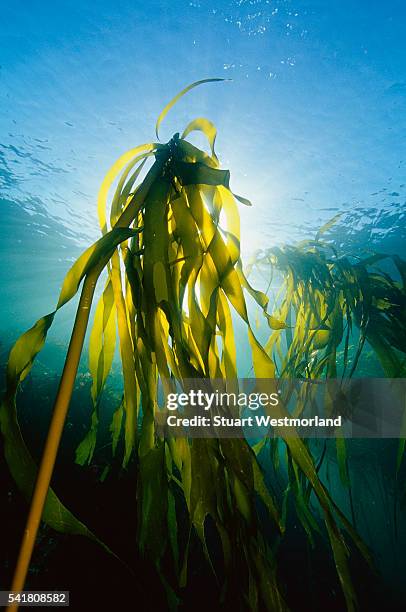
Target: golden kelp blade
x,y
111,176
177,97
328,225
101,351
207,128
102,341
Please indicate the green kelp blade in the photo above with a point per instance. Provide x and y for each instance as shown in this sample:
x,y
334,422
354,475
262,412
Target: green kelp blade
x,y
102,345
94,255
153,504
102,341
341,450
263,492
85,450
172,103
115,427
362,547
272,599
22,356
199,174
24,471
130,401
242,200
302,506
340,551
172,523
25,350
400,454
204,482
261,299
191,154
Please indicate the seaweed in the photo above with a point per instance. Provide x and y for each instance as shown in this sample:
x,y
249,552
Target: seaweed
x,y
170,249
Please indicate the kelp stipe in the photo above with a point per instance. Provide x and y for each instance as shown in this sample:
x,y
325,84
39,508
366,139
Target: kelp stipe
x,y
173,273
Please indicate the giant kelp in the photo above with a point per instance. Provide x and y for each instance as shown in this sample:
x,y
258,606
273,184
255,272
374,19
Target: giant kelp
x,y
174,283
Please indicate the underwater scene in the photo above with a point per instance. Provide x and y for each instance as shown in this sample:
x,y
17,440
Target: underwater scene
x,y
199,198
